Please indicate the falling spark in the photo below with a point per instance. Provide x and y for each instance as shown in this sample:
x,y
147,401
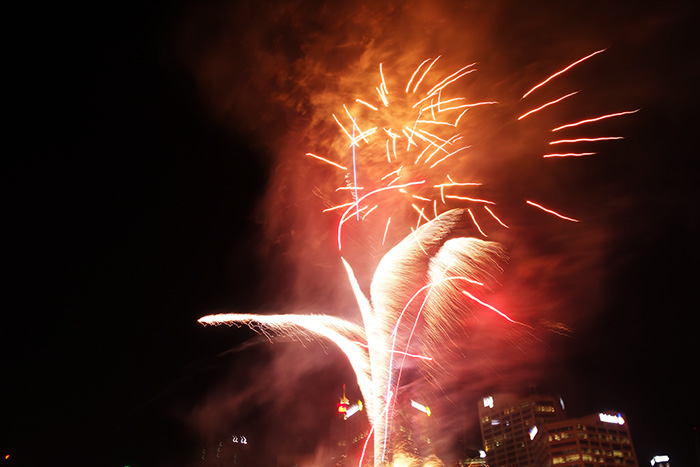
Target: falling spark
x,y
386,229
326,161
408,85
471,214
496,217
551,212
584,140
547,105
596,119
562,71
367,104
473,200
424,73
570,154
490,307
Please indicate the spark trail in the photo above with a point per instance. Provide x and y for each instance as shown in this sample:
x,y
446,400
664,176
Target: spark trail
x,y
400,146
403,153
399,151
426,265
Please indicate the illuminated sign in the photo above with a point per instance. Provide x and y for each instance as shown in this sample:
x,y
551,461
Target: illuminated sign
x,y
609,418
353,409
658,459
488,402
239,439
533,432
421,407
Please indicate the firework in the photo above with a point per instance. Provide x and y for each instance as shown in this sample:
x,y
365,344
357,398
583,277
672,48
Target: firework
x,y
397,149
397,153
400,296
400,150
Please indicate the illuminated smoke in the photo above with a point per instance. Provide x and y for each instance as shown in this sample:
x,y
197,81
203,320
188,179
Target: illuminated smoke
x,y
400,300
281,71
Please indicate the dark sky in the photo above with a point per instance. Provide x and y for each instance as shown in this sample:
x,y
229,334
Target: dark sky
x,y
132,207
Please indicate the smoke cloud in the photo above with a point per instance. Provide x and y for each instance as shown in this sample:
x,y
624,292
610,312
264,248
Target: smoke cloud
x,y
277,71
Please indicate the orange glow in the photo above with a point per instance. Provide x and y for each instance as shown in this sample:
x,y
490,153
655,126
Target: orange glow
x,y
552,212
562,71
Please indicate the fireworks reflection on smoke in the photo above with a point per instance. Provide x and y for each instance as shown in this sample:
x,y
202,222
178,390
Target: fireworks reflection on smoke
x,y
397,152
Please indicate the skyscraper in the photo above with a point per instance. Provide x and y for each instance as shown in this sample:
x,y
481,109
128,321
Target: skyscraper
x,y
507,422
594,440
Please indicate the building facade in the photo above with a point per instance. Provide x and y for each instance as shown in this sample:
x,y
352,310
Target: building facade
x,y
595,440
507,422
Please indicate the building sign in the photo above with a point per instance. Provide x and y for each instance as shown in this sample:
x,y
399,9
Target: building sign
x,y
609,418
659,459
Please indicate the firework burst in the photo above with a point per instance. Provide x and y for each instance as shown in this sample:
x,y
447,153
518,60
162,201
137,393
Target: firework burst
x,y
403,158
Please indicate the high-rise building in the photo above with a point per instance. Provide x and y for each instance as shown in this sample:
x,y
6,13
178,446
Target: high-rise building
x,y
349,431
595,440
506,423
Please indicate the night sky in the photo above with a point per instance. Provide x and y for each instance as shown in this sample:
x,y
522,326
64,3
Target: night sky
x,y
136,198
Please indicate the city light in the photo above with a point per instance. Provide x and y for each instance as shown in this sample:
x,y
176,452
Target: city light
x,y
488,402
658,459
353,409
533,432
609,418
421,407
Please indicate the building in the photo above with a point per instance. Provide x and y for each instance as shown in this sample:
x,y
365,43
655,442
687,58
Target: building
x,y
233,450
349,431
506,423
601,439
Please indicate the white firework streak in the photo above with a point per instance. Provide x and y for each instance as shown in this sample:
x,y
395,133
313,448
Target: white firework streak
x,y
441,272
